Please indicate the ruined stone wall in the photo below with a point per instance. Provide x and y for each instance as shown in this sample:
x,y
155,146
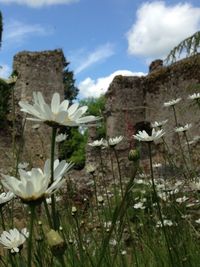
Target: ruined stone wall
x,y
124,107
133,103
167,83
37,71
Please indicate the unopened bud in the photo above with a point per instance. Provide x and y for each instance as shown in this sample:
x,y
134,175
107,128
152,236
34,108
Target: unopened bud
x,y
134,155
56,242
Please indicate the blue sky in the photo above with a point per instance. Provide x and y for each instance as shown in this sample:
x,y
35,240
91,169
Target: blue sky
x,y
100,38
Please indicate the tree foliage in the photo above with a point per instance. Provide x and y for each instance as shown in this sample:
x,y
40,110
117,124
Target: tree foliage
x,y
73,149
70,90
189,46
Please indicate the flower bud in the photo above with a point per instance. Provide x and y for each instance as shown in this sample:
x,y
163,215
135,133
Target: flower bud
x,y
134,155
56,242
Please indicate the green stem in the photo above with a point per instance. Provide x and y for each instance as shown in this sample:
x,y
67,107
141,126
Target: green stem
x,y
53,202
62,261
30,252
2,219
119,170
117,215
47,213
179,140
158,205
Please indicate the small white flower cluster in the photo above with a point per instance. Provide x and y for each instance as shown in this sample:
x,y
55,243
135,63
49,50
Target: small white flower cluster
x,y
106,143
165,223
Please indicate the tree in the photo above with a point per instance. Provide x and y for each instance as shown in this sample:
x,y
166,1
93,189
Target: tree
x,y
70,90
96,107
73,149
189,45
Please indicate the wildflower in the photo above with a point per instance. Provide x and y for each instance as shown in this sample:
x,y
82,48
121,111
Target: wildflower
x,y
195,96
74,210
61,137
198,221
134,155
164,196
123,252
194,140
165,222
113,242
56,242
181,199
157,165
36,126
195,185
5,197
158,124
145,137
57,113
14,239
183,128
23,165
139,181
114,141
139,205
48,200
100,199
96,143
90,168
35,184
173,102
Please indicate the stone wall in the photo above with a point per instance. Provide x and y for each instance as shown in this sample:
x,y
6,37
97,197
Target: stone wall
x,y
37,71
133,103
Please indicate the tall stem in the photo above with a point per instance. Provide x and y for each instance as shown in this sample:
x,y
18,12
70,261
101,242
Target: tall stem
x,y
32,209
158,204
2,219
53,202
119,170
179,140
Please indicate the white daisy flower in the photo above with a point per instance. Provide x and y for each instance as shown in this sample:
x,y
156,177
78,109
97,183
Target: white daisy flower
x,y
145,137
14,239
158,123
183,128
57,113
172,102
23,165
97,143
181,199
198,221
139,205
114,141
61,137
36,184
194,96
165,222
5,197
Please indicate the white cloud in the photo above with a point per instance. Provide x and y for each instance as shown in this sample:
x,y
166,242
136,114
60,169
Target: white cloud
x,y
5,71
94,88
158,28
38,3
100,54
17,31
